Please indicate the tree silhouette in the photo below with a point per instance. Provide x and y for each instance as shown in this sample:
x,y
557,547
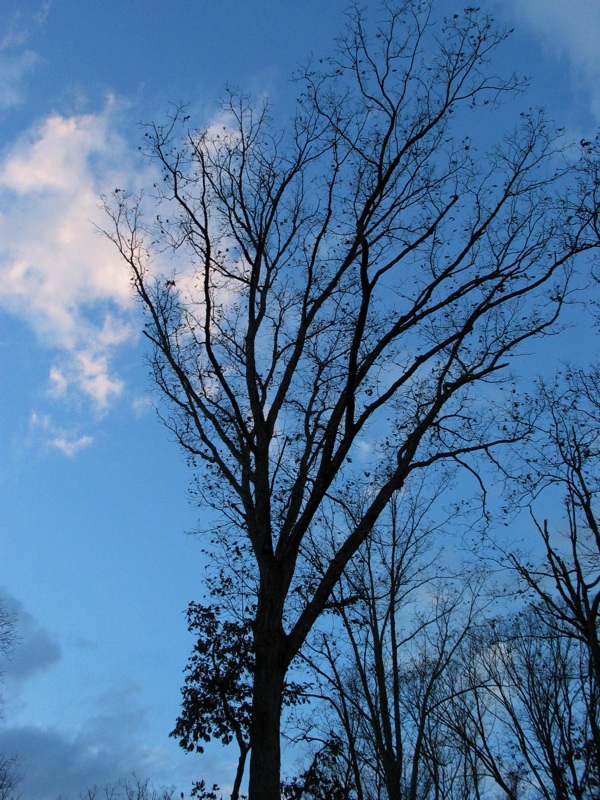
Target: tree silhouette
x,y
339,290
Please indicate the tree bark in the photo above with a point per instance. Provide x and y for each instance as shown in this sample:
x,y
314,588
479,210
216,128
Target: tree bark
x,y
269,673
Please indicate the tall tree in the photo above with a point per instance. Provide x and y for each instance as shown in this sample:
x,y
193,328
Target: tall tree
x,y
342,287
529,712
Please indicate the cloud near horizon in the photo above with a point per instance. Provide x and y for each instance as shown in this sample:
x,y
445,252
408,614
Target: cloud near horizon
x,y
109,747
35,649
57,272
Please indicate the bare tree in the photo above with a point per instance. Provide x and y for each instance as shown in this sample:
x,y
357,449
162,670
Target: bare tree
x,y
430,697
564,583
343,286
7,631
133,788
520,710
565,459
10,778
397,620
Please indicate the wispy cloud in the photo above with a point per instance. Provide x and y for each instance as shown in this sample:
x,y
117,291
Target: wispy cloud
x,y
66,442
71,446
56,271
41,15
15,27
17,61
570,28
14,68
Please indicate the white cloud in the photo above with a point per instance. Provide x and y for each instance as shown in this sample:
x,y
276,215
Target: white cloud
x,y
57,272
570,28
71,446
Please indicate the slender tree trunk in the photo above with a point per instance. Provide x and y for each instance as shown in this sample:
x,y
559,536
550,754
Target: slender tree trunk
x,y
235,792
267,701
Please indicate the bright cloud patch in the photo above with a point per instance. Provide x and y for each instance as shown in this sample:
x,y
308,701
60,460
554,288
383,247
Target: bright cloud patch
x,y
71,446
57,272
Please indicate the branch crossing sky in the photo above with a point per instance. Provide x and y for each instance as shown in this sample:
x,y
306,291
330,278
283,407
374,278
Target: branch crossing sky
x,y
94,559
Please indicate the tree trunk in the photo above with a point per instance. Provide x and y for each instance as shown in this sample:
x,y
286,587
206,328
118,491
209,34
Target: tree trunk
x,y
267,701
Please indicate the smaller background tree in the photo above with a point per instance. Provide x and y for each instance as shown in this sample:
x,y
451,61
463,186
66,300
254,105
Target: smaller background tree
x,y
217,694
9,775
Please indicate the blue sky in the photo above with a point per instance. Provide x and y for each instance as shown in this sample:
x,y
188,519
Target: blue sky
x,y
94,556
